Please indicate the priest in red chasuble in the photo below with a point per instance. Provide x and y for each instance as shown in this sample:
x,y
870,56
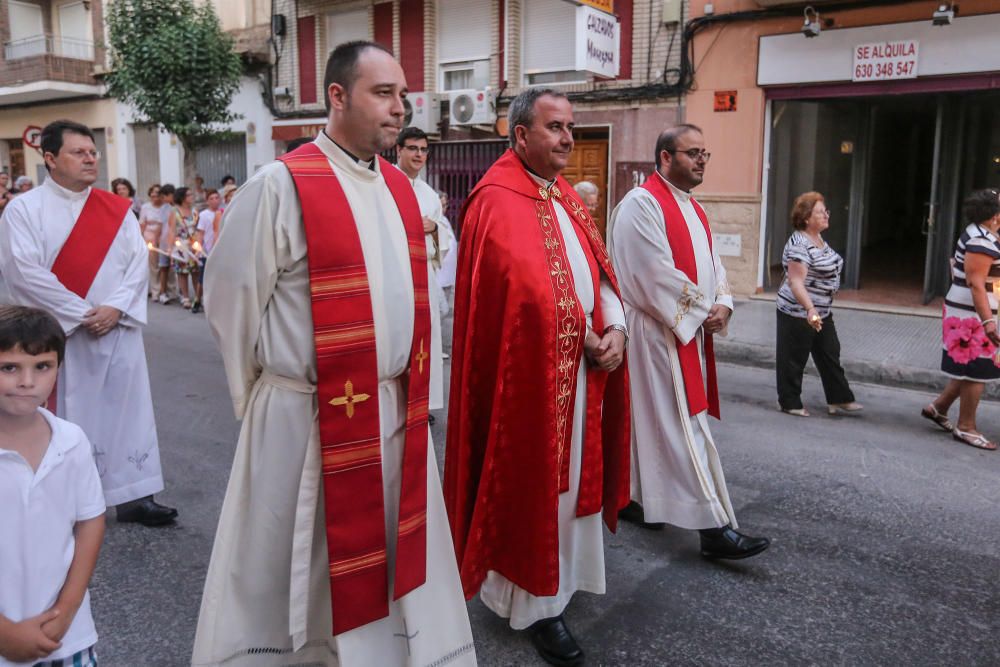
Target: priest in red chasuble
x,y
676,297
333,545
538,415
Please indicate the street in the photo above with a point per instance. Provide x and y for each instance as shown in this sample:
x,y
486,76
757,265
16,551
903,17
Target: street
x,y
886,537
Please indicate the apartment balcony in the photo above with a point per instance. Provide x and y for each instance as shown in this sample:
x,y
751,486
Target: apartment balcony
x,y
47,67
40,45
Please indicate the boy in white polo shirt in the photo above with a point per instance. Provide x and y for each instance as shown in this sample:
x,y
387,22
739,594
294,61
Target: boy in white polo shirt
x,y
52,518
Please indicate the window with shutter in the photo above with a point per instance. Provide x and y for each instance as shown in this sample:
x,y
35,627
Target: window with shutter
x,y
346,27
463,43
548,38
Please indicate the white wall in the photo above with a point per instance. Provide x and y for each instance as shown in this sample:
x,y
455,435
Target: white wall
x,y
247,102
966,46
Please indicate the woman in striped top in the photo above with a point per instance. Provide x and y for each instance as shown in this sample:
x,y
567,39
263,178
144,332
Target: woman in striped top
x,y
969,332
805,323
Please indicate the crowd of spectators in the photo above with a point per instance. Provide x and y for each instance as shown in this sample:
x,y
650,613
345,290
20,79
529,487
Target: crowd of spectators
x,y
180,225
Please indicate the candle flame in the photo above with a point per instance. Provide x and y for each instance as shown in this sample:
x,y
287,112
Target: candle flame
x,y
177,243
149,245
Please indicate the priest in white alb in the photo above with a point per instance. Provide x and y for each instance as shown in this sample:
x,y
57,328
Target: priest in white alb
x,y
676,298
77,252
411,156
333,545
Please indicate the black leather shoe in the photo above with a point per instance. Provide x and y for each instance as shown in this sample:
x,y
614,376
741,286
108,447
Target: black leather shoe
x,y
726,542
555,644
146,511
633,514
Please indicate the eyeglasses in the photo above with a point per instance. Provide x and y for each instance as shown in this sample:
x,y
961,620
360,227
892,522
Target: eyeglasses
x,y
423,150
695,154
83,153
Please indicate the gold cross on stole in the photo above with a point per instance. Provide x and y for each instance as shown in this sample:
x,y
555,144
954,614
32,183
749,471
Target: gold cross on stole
x,y
349,398
421,356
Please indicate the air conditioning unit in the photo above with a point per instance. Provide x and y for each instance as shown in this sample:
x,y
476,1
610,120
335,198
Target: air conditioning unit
x,y
472,107
423,111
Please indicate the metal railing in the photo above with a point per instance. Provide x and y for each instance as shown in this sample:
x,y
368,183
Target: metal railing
x,y
39,45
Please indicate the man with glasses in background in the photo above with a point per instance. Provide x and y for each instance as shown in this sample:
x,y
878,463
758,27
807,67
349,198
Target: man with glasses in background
x,y
77,252
676,298
411,156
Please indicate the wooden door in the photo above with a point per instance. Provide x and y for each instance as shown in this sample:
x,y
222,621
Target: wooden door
x,y
589,162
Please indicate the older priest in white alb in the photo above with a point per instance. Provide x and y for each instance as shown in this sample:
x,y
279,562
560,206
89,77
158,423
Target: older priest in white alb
x,y
676,297
77,252
333,545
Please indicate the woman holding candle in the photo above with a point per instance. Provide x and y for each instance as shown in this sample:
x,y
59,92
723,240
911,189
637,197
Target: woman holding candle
x,y
969,337
805,321
182,228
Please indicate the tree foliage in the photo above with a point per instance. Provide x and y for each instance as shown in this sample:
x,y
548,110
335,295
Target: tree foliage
x,y
171,60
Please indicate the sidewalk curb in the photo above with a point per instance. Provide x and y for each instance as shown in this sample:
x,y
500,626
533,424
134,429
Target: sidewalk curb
x,y
892,375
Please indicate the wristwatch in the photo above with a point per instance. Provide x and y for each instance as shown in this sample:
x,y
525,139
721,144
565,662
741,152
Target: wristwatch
x,y
618,327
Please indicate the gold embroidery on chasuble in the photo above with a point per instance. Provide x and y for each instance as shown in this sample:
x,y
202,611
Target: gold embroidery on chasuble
x,y
684,303
723,289
567,320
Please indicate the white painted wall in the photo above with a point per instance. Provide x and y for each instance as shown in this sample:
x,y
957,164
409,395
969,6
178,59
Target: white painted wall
x,y
966,46
247,102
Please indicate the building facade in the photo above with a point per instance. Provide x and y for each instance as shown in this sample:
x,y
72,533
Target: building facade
x,y
464,61
149,155
886,107
49,68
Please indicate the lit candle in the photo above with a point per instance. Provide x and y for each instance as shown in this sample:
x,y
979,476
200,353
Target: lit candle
x,y
184,250
155,249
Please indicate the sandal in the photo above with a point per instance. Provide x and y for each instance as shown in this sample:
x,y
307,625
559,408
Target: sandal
x,y
930,412
186,302
977,440
837,408
795,412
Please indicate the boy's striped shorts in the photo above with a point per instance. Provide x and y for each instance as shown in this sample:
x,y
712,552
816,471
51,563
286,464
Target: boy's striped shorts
x,y
85,658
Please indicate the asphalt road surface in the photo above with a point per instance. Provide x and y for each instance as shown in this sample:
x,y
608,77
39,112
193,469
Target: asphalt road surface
x,y
886,535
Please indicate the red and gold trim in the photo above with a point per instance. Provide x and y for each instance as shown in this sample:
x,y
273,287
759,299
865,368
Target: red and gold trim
x,y
569,332
347,387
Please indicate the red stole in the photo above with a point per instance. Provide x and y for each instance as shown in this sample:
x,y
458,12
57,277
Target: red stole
x,y
88,243
347,369
589,498
679,238
83,253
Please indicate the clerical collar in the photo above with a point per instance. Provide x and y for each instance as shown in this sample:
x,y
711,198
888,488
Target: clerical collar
x,y
367,164
680,194
541,179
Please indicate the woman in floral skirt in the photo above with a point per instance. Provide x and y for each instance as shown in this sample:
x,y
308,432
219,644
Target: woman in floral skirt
x,y
969,338
182,227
